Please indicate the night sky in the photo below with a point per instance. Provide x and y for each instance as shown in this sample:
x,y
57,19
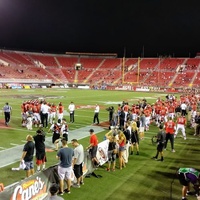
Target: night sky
x,y
133,27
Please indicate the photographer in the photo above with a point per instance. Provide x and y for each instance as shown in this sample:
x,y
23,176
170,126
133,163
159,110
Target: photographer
x,y
39,139
111,111
187,176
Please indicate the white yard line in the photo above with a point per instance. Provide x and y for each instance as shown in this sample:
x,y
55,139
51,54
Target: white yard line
x,y
13,144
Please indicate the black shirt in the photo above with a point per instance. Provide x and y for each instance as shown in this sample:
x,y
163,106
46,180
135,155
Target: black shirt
x,y
29,148
39,143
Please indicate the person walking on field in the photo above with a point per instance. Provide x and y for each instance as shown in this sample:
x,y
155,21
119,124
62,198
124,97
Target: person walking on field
x,y
7,112
96,114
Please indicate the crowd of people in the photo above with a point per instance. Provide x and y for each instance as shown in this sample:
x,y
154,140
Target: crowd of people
x,y
171,115
35,112
128,124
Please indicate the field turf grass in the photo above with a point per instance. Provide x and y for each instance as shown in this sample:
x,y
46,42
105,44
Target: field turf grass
x,y
143,178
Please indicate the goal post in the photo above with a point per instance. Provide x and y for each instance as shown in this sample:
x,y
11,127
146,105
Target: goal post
x,y
124,72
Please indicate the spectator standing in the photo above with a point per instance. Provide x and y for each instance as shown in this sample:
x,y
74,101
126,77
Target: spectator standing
x,y
112,150
54,189
115,119
122,143
27,155
77,162
65,155
96,114
170,127
127,133
142,125
44,114
71,109
126,109
39,139
183,109
160,143
121,119
197,124
7,109
134,138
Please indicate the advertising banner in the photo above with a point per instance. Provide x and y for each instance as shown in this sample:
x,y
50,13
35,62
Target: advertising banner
x,y
36,187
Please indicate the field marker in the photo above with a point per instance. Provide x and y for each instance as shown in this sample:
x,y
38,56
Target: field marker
x,y
14,144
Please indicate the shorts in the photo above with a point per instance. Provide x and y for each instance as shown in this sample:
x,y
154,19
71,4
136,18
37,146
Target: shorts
x,y
182,180
141,129
121,148
160,147
29,165
40,158
65,135
111,156
93,151
55,137
78,170
64,173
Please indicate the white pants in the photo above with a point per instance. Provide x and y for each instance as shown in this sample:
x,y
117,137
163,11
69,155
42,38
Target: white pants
x,y
60,116
171,115
52,117
182,128
126,152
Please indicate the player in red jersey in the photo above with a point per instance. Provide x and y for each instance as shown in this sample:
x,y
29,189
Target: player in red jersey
x,y
171,110
170,127
60,111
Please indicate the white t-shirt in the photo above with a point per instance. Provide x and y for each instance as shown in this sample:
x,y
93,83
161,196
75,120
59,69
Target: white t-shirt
x,y
79,154
97,109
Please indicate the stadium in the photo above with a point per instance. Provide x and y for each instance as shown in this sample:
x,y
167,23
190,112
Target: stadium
x,y
82,74
26,69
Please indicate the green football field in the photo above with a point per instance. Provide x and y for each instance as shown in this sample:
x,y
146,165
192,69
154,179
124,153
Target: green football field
x,y
143,178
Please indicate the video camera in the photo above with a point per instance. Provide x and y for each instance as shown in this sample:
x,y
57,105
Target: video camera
x,y
111,108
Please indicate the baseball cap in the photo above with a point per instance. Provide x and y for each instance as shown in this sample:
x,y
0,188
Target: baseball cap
x,y
91,130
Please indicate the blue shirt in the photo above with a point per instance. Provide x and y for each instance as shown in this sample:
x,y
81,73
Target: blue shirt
x,y
65,154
